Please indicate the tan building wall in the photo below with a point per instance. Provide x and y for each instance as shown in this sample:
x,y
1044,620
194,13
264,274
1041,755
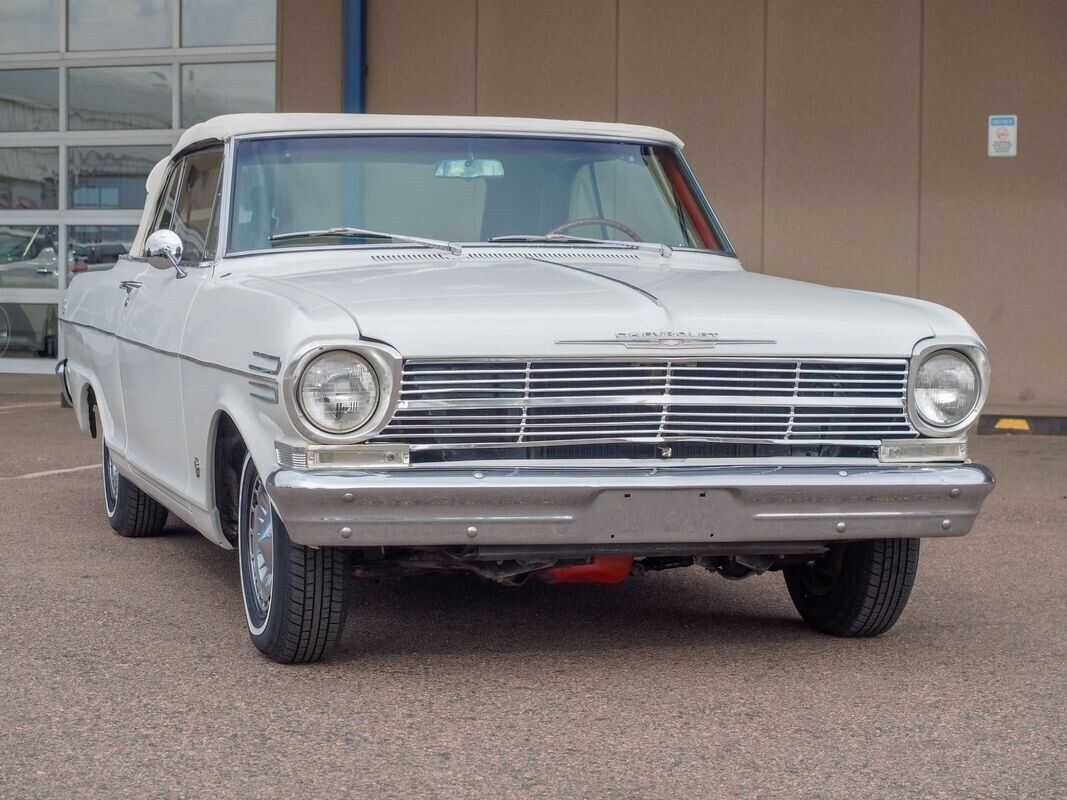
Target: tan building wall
x,y
841,141
310,48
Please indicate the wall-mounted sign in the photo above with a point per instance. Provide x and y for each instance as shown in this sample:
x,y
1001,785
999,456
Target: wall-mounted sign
x,y
1003,135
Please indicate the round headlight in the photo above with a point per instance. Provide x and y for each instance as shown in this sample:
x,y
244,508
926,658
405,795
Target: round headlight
x,y
338,391
947,387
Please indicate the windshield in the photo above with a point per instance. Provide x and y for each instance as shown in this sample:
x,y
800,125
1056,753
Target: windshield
x,y
462,189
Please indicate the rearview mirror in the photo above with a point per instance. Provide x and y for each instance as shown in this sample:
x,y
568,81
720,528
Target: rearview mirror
x,y
164,250
468,168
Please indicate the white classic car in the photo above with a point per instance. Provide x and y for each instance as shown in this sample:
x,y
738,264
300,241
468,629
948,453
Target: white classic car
x,y
382,345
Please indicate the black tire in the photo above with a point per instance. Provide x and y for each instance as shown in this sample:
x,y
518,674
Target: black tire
x,y
302,616
858,588
131,512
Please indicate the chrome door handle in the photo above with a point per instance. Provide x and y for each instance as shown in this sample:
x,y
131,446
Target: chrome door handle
x,y
129,286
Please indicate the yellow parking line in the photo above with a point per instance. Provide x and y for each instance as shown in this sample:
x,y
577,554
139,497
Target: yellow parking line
x,y
1012,424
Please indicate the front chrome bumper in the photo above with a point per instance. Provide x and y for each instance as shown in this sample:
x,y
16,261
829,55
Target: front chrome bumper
x,y
432,506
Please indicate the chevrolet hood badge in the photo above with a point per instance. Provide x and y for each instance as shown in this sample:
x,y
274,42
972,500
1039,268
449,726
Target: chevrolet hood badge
x,y
666,339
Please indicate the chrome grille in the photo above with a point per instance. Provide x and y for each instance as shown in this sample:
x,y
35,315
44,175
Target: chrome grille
x,y
478,404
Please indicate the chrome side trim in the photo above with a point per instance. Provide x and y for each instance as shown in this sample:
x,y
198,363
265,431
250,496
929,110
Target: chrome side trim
x,y
274,361
267,392
170,353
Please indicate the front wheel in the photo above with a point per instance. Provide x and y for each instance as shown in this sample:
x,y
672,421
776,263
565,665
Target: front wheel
x,y
294,596
858,588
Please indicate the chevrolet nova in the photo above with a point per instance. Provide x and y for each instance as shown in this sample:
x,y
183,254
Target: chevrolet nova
x,y
377,346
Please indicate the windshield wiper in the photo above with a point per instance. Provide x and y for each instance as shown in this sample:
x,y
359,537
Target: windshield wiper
x,y
439,244
663,249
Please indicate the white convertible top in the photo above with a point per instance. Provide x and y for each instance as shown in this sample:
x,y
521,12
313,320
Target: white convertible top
x,y
230,125
227,126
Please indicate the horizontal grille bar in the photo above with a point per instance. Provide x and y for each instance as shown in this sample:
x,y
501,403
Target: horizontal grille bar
x,y
756,401
532,404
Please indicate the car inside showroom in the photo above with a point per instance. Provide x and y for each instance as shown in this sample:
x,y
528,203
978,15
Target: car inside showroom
x,y
92,94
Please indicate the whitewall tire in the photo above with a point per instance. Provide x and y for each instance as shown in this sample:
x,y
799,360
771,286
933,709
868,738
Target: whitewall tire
x,y
294,596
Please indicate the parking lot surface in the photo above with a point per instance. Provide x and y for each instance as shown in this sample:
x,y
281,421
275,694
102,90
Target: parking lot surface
x,y
126,670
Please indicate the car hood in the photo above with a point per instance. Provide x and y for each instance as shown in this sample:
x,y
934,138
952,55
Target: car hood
x,y
558,304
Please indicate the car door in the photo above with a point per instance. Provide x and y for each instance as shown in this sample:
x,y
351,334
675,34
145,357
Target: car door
x,y
152,325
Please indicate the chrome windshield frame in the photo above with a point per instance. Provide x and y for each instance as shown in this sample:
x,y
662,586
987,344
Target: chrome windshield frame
x,y
230,177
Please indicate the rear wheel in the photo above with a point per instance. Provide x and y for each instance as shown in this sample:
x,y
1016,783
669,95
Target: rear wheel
x,y
294,596
858,588
131,512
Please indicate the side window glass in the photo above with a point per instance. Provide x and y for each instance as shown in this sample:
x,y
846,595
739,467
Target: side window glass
x,y
165,209
196,207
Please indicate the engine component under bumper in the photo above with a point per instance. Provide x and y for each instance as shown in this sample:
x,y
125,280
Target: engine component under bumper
x,y
436,506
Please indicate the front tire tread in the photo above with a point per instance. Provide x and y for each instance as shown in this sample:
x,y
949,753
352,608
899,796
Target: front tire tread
x,y
870,594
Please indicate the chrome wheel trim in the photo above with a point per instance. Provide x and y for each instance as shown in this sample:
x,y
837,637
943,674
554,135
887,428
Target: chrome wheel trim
x,y
111,482
260,547
5,331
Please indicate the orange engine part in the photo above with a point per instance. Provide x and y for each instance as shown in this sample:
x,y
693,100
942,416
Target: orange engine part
x,y
603,569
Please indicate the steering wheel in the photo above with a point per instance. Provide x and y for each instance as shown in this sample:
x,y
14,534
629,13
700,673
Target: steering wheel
x,y
610,223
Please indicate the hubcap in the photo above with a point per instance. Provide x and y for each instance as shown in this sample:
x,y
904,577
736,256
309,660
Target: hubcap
x,y
260,546
112,478
111,481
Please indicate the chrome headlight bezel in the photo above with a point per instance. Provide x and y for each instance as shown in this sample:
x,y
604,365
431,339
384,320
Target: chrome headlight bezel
x,y
386,365
318,383
979,360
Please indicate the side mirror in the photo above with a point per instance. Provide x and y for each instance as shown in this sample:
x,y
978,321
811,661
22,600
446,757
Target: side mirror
x,y
164,250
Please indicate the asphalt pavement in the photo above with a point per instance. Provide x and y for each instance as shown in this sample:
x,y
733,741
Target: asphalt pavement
x,y
126,670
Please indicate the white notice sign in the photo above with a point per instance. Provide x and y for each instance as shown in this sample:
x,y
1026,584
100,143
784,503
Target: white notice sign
x,y
1003,135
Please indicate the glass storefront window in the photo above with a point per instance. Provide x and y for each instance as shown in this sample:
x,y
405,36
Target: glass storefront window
x,y
110,177
29,100
28,330
112,98
212,89
28,257
210,22
29,177
96,247
119,24
29,26
84,119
